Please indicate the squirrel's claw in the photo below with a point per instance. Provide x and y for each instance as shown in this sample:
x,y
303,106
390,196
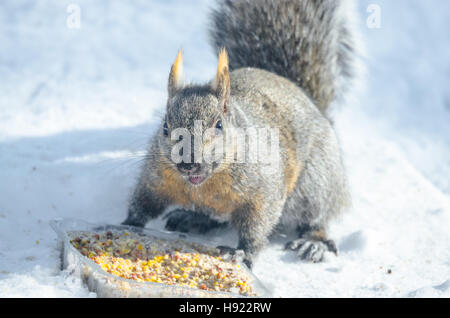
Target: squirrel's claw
x,y
312,250
235,255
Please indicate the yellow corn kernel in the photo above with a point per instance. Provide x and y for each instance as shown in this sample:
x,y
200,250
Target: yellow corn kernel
x,y
185,269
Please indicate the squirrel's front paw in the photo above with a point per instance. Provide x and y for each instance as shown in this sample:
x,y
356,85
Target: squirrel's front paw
x,y
190,222
312,250
235,255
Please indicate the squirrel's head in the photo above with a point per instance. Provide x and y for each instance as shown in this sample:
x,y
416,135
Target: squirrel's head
x,y
197,120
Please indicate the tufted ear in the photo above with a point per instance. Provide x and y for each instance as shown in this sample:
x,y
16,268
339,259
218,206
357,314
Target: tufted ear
x,y
221,84
176,81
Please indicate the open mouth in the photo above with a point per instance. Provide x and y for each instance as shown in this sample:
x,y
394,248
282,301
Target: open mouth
x,y
196,180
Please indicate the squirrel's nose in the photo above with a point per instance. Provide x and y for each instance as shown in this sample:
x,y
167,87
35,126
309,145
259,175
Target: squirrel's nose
x,y
188,167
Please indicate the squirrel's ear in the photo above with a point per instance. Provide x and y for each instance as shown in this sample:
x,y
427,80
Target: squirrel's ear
x,y
221,84
176,75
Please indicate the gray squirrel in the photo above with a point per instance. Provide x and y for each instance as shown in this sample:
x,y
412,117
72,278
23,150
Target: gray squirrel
x,y
282,63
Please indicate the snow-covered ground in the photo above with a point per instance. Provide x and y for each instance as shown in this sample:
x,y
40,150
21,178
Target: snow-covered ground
x,y
77,107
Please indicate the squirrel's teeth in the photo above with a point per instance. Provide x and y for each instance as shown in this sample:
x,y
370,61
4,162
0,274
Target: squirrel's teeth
x,y
196,179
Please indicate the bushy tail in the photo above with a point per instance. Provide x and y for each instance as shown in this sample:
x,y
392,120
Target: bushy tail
x,y
311,42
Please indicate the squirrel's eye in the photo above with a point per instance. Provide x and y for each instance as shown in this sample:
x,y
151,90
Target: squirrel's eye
x,y
166,129
219,125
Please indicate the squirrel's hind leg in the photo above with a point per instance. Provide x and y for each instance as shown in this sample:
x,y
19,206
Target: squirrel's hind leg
x,y
312,244
190,222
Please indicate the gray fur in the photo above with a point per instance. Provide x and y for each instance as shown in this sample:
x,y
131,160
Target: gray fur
x,y
260,201
310,42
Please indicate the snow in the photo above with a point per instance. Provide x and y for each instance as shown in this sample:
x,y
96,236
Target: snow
x,y
77,107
